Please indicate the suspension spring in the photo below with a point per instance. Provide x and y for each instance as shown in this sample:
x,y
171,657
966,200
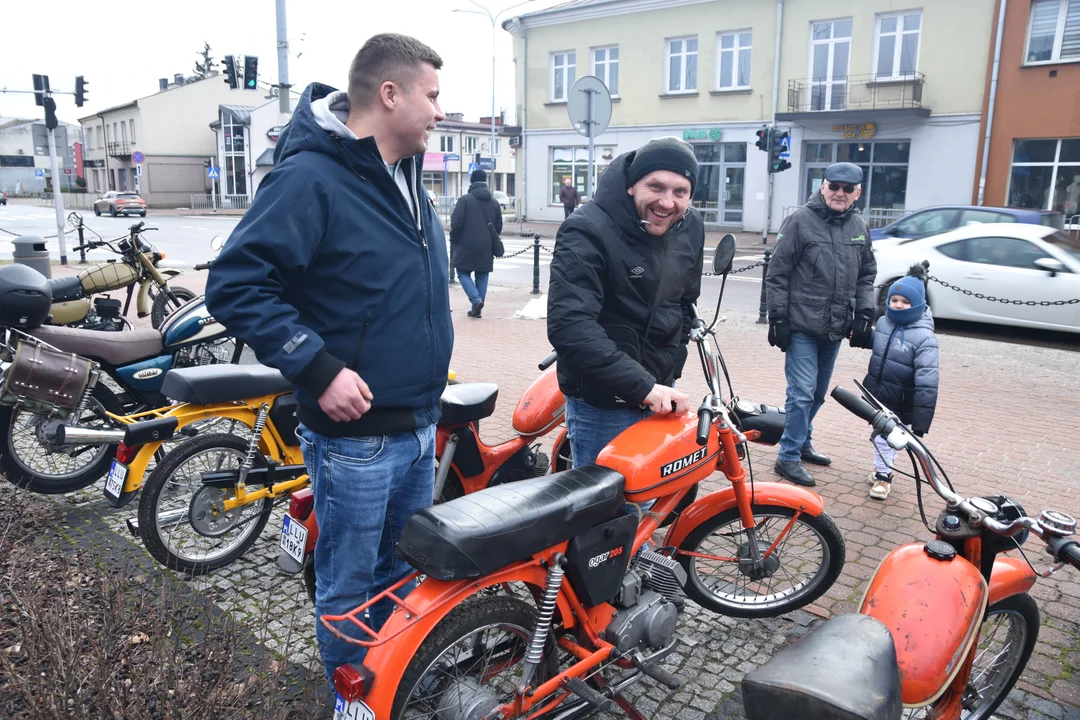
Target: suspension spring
x,y
253,446
84,401
555,575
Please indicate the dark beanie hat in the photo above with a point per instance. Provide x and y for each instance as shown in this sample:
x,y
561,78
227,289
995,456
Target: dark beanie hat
x,y
666,153
478,176
914,290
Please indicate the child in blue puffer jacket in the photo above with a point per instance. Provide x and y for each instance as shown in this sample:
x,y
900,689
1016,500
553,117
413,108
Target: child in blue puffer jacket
x,y
903,369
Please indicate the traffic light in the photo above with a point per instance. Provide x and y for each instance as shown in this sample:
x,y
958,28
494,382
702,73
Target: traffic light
x,y
251,72
763,139
778,144
230,71
50,113
80,91
41,86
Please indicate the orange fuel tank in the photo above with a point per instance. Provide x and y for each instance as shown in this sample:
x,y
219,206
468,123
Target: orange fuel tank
x,y
542,407
660,455
933,608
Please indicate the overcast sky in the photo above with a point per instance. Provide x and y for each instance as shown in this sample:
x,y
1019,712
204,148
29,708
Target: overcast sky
x,y
123,48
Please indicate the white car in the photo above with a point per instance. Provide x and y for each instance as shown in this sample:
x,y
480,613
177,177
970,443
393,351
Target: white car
x,y
1018,262
501,198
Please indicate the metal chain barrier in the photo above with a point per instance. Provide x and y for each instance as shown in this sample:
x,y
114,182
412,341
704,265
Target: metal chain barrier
x,y
522,251
9,232
736,272
992,298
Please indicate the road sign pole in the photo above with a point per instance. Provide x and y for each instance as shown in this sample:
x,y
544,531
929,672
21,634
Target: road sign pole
x,y
58,197
591,120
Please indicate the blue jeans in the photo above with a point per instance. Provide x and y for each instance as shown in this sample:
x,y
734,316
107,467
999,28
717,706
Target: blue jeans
x,y
591,428
365,488
476,291
808,366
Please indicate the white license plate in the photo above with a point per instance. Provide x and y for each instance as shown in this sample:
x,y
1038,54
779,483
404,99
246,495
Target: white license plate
x,y
293,538
114,482
355,710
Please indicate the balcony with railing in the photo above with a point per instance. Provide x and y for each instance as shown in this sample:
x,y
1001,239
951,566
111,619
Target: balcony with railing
x,y
865,96
120,149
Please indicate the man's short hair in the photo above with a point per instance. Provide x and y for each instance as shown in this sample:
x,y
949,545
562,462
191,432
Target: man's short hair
x,y
388,56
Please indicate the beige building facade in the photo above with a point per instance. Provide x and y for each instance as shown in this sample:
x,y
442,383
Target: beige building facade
x,y
894,86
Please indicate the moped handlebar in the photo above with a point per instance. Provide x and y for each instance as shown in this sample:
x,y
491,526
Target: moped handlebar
x,y
1065,550
548,361
705,418
854,404
202,266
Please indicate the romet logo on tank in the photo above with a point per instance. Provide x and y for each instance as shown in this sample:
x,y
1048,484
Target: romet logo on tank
x,y
674,467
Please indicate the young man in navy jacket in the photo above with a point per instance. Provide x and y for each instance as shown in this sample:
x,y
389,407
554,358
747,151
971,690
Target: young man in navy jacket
x,y
337,277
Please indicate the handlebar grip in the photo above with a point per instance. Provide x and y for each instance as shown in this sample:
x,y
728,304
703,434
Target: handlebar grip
x,y
854,404
202,266
704,422
1066,550
549,360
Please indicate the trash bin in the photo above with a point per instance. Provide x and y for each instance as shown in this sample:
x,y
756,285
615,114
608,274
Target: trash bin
x,y
31,251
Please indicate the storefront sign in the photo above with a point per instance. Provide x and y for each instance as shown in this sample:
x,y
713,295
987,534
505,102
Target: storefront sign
x,y
275,132
866,130
94,163
710,134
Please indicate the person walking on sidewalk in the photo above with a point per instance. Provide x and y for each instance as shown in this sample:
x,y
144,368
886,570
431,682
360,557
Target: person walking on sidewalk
x,y
569,196
903,371
474,225
337,276
626,270
820,290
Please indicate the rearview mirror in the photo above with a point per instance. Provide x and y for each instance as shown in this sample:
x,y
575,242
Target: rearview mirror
x,y
216,243
724,255
1051,266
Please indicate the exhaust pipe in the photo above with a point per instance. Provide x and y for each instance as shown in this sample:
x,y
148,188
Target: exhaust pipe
x,y
72,435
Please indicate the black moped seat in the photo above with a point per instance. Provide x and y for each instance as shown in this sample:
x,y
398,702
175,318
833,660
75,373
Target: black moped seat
x,y
66,288
115,348
211,384
844,670
487,530
467,402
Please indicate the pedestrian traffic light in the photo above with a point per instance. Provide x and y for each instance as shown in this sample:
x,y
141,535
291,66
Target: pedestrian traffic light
x,y
230,71
50,113
778,143
251,72
41,86
763,139
80,91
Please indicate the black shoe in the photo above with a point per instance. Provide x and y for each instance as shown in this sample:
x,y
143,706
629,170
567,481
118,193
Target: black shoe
x,y
476,308
810,455
795,472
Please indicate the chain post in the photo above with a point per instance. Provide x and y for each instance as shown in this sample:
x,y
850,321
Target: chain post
x,y
763,307
82,248
536,264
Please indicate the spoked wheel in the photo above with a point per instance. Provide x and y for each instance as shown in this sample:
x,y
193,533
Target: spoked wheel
x,y
27,461
1006,639
183,523
163,305
472,662
805,562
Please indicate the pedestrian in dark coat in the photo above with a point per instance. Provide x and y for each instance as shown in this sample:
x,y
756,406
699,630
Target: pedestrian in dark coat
x,y
474,225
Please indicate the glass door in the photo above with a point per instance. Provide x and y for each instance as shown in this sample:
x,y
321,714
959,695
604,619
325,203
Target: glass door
x,y
830,50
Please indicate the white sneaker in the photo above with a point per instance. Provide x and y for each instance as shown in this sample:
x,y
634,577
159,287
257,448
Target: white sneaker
x,y
881,488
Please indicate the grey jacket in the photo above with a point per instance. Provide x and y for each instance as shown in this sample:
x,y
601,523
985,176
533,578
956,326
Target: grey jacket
x,y
822,271
904,370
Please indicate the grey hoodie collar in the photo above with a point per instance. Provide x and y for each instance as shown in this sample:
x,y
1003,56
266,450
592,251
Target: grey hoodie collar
x,y
331,112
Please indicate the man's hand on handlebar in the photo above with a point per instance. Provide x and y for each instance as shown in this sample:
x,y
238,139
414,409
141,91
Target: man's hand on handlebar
x,y
663,400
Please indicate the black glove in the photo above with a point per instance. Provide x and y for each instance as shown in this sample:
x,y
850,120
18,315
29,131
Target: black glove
x,y
919,433
862,330
779,334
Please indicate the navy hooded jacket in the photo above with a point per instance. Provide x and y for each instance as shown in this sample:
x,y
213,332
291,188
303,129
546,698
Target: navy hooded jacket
x,y
330,268
903,371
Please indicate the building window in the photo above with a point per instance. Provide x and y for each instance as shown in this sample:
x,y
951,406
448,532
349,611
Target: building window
x,y
1045,175
721,182
681,65
234,181
733,60
446,143
123,131
830,53
470,145
131,123
498,146
115,134
100,144
897,45
563,75
605,65
884,166
1053,31
90,139
433,181
573,163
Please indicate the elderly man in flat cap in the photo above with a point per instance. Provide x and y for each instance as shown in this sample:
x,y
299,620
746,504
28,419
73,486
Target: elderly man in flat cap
x,y
820,290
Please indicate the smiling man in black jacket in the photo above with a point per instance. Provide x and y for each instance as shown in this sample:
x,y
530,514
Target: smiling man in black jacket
x,y
626,270
337,276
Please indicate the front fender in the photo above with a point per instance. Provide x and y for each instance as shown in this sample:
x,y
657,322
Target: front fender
x,y
1010,576
432,601
766,493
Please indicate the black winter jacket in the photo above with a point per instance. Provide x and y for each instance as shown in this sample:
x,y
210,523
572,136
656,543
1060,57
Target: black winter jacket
x,y
822,271
606,277
470,239
904,370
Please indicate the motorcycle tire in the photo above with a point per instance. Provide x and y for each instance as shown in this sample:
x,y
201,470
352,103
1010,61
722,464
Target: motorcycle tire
x,y
160,541
473,618
161,307
727,526
19,473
